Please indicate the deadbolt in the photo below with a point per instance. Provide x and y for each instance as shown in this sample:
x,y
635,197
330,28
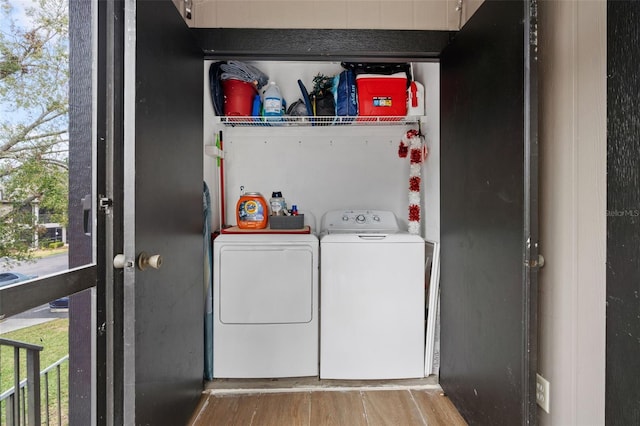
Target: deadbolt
x,y
119,262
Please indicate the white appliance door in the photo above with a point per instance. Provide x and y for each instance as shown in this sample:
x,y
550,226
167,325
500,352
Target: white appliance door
x,y
372,308
268,284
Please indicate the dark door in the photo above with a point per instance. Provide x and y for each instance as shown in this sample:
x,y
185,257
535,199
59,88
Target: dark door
x,y
489,216
161,207
48,135
623,214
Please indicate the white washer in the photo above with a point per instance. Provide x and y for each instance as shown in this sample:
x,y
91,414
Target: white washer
x,y
372,293
265,306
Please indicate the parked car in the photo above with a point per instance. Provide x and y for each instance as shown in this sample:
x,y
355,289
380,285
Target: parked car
x,y
59,304
7,278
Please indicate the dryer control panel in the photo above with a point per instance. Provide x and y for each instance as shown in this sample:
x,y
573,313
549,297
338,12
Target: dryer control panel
x,y
359,221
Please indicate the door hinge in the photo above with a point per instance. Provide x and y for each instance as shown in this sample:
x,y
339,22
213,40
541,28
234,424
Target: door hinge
x,y
535,263
104,204
188,9
533,28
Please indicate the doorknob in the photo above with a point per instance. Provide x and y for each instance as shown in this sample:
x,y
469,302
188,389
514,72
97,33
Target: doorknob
x,y
144,261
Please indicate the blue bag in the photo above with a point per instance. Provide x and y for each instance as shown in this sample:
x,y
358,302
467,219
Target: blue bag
x,y
344,88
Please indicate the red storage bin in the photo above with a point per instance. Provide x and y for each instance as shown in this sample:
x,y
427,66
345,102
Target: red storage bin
x,y
382,95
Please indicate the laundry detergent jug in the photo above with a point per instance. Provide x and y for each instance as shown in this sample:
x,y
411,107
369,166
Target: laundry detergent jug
x,y
252,211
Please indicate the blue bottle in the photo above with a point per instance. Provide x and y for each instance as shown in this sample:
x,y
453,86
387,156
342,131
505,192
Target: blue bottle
x,y
272,101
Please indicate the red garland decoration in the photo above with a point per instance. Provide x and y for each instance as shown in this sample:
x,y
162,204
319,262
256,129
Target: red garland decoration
x,y
403,150
412,133
414,183
416,155
412,144
414,213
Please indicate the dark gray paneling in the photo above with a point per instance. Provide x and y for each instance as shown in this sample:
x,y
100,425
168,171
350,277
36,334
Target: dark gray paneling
x,y
487,301
169,304
623,214
80,184
337,45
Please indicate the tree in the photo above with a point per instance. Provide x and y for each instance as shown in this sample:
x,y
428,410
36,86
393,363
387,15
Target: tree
x,y
34,77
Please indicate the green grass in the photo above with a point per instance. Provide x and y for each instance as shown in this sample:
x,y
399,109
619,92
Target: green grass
x,y
53,336
40,253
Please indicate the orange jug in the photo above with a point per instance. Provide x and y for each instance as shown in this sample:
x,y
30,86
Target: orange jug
x,y
252,211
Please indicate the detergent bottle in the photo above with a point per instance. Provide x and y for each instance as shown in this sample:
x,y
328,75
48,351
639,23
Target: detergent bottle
x,y
278,204
252,211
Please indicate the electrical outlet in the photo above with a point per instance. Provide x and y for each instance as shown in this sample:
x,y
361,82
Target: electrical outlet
x,y
542,392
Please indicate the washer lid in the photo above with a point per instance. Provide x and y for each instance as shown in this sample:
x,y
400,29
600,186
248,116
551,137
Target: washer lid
x,y
370,238
359,222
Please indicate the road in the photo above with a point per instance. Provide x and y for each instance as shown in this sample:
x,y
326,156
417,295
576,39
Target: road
x,y
40,267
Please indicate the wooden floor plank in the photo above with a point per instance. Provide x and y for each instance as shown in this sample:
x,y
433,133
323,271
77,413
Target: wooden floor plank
x,y
437,409
405,407
278,409
205,405
383,408
227,410
337,409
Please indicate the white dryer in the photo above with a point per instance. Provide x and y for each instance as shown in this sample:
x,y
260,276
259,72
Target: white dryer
x,y
372,319
265,291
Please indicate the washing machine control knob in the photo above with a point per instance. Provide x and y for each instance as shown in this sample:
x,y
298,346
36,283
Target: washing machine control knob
x,y
376,218
361,218
345,218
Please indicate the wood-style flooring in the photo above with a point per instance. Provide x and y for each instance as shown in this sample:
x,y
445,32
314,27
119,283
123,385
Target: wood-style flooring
x,y
343,407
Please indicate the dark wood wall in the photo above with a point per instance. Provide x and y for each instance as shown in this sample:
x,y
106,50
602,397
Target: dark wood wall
x,y
623,214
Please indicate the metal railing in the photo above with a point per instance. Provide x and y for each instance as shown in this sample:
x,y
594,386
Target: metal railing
x,y
58,399
23,407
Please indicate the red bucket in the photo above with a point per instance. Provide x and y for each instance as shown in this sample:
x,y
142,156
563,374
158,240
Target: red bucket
x,y
238,97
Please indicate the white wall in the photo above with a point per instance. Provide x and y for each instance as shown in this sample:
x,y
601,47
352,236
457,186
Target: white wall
x,y
572,68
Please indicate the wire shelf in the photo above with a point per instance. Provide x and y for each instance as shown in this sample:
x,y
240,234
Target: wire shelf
x,y
297,121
